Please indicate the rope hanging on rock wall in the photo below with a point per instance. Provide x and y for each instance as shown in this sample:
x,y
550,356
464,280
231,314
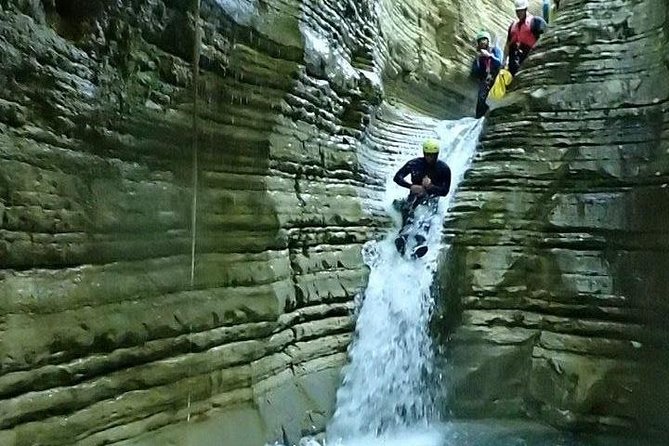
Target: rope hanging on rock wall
x,y
196,77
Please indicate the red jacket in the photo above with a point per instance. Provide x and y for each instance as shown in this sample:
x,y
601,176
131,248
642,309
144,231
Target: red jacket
x,y
523,35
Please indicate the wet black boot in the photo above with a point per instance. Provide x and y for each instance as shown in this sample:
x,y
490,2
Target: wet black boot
x,y
400,244
419,251
421,247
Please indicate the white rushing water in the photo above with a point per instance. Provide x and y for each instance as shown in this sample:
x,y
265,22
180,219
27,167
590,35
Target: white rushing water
x,y
386,385
386,398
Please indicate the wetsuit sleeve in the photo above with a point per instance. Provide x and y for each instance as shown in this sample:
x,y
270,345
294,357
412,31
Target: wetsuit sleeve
x,y
442,187
507,45
403,172
476,69
538,26
496,58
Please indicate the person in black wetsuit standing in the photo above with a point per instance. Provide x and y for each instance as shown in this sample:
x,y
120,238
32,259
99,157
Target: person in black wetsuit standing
x,y
430,179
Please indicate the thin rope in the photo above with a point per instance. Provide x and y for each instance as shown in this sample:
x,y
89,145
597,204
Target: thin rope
x,y
196,78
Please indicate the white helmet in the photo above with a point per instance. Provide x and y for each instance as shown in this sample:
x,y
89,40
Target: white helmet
x,y
522,4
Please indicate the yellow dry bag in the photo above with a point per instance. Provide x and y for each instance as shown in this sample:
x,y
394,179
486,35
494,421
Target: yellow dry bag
x,y
502,81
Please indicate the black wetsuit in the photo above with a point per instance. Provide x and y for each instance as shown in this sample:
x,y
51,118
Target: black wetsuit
x,y
440,176
418,168
485,69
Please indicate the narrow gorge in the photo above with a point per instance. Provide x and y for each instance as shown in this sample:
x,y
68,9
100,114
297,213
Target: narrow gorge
x,y
186,188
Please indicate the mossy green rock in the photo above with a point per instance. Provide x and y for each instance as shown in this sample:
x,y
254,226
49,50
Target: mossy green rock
x,y
554,293
111,331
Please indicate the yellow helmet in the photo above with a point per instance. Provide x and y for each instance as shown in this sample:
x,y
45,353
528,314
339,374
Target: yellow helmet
x,y
431,146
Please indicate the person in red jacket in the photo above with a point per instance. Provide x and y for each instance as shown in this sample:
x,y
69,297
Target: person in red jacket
x,y
523,35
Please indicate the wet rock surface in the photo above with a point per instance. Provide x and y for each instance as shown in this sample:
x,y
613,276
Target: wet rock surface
x,y
558,273
110,329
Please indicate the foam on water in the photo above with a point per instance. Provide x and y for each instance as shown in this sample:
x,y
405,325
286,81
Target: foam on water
x,y
423,437
386,397
387,382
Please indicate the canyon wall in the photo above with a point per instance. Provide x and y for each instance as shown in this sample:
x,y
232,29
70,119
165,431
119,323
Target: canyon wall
x,y
557,278
171,259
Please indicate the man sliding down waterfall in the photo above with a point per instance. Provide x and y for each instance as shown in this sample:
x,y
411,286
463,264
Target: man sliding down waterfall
x,y
430,179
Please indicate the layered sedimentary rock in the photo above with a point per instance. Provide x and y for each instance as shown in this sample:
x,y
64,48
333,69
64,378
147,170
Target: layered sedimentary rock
x,y
123,311
558,273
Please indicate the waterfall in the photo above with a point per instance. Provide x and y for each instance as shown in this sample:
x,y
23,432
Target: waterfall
x,y
386,383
